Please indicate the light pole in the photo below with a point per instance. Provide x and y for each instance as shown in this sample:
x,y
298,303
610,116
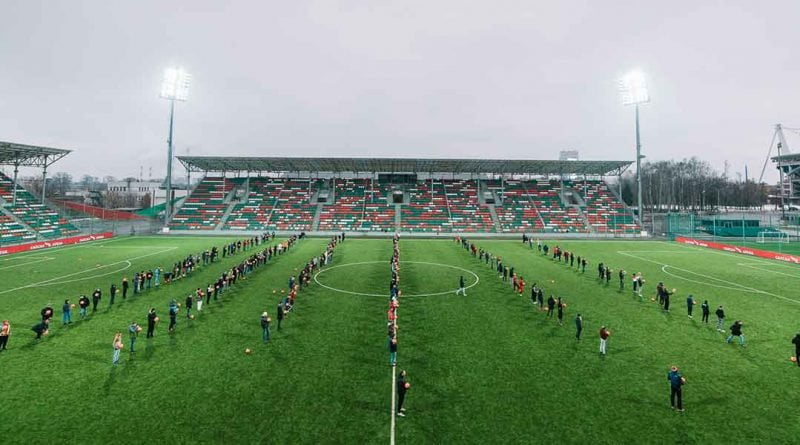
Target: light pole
x,y
174,87
633,87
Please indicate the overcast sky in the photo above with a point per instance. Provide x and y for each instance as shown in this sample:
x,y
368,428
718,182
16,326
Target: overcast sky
x,y
499,79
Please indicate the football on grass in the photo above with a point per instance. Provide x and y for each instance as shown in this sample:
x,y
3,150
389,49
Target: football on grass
x,y
793,359
191,317
248,351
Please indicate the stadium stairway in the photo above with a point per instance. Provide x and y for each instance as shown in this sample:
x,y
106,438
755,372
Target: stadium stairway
x,y
243,191
398,217
317,213
495,219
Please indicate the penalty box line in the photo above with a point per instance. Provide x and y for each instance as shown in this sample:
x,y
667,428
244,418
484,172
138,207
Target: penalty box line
x,y
730,285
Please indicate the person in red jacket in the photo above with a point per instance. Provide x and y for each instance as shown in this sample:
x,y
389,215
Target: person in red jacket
x,y
604,334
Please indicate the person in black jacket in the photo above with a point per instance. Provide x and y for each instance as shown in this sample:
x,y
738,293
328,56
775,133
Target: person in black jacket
x,y
720,318
279,315
796,341
402,387
96,295
83,302
125,288
551,303
736,331
151,322
706,310
189,302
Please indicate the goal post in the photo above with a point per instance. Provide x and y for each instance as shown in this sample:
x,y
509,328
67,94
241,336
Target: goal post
x,y
774,237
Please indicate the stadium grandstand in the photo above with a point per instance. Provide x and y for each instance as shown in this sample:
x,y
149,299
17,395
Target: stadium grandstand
x,y
23,216
374,195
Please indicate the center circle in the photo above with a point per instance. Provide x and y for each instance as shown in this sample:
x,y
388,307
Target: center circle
x,y
477,280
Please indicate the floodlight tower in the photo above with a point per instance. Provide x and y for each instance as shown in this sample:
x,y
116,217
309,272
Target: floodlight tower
x,y
174,87
633,88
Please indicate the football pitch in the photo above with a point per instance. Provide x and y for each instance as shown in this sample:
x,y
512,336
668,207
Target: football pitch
x,y
485,368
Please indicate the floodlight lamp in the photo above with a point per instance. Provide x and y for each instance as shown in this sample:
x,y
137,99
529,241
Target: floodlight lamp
x,y
176,84
633,87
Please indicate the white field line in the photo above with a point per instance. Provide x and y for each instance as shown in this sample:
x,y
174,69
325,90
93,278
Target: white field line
x,y
726,283
54,250
35,260
763,269
739,256
58,280
393,423
477,279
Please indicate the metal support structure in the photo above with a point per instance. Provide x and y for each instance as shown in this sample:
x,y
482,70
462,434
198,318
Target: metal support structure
x,y
168,200
44,179
639,170
14,193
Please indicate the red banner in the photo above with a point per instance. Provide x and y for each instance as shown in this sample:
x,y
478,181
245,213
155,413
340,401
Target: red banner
x,y
738,249
54,243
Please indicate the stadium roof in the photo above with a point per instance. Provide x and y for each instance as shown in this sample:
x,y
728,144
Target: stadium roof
x,y
29,155
400,165
793,157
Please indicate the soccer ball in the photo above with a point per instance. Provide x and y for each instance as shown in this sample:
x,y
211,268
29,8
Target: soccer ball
x,y
138,329
179,305
156,319
191,317
793,359
565,305
273,291
683,380
247,351
72,306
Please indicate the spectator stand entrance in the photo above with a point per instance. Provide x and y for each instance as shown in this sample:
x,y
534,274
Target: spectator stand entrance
x,y
23,216
373,196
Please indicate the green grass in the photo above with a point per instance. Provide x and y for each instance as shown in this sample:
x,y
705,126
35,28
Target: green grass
x,y
485,368
792,248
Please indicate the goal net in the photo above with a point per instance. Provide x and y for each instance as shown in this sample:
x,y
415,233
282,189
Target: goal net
x,y
772,237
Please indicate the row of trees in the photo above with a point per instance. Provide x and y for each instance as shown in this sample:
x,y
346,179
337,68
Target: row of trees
x,y
691,185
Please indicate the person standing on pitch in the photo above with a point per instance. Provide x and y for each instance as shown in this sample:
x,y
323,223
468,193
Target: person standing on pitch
x,y
551,304
621,280
736,331
125,285
112,292
706,310
66,313
5,332
720,318
83,302
560,311
402,387
578,326
393,352
117,348
134,331
604,334
461,289
96,295
189,302
795,340
690,305
151,322
676,382
280,315
265,326
173,314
